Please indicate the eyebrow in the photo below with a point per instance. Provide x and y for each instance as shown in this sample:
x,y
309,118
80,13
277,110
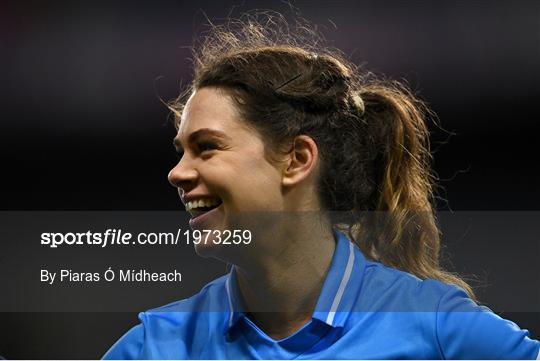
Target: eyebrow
x,y
193,137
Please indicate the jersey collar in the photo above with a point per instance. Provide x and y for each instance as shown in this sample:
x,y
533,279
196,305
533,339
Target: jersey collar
x,y
338,295
342,284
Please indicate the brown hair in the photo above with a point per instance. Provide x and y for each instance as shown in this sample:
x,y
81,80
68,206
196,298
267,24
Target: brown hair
x,y
371,133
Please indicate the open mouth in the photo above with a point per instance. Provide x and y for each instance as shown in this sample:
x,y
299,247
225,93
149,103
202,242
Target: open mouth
x,y
201,206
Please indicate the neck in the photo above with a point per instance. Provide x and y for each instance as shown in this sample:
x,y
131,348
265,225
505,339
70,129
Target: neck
x,y
281,290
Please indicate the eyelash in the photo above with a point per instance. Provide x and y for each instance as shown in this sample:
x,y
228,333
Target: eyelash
x,y
201,147
206,146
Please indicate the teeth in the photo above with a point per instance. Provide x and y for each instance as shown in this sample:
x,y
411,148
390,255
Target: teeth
x,y
201,203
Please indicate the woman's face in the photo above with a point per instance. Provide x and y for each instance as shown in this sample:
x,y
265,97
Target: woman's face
x,y
223,172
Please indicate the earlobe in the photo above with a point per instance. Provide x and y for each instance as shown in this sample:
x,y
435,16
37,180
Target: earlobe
x,y
302,161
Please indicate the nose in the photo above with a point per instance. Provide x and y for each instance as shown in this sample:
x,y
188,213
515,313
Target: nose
x,y
183,176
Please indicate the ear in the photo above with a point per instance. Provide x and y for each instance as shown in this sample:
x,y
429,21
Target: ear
x,y
301,162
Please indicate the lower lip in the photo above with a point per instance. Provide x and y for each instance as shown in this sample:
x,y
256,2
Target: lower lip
x,y
196,222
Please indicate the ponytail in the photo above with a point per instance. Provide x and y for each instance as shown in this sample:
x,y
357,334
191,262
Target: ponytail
x,y
402,233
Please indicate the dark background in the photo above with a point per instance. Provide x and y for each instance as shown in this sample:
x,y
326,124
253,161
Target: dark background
x,y
82,127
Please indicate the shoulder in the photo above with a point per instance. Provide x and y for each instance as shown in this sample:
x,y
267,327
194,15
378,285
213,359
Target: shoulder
x,y
390,289
174,322
128,347
460,328
467,330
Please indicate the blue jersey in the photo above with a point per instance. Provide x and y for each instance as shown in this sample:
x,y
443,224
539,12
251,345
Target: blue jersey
x,y
365,311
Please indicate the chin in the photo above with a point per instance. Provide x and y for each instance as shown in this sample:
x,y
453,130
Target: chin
x,y
228,253
219,243
209,250
209,244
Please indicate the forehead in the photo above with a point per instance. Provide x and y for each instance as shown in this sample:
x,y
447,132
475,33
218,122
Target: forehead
x,y
209,108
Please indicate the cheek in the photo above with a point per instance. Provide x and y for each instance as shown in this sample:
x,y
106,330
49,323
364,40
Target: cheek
x,y
244,179
260,181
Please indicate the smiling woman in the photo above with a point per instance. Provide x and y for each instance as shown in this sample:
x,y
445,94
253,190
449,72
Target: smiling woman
x,y
329,167
222,164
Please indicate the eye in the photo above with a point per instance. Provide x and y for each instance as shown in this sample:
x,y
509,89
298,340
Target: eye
x,y
206,146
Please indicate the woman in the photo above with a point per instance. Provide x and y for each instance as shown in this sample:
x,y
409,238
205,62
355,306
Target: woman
x,y
329,168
